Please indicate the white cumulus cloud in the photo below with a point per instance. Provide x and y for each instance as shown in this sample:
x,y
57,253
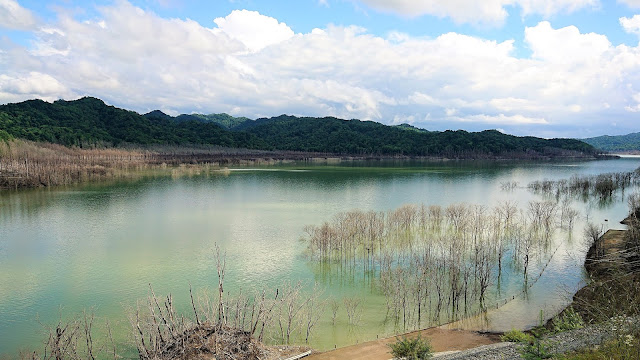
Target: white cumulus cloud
x,y
471,11
565,45
461,11
14,16
631,3
550,7
631,25
253,29
502,119
31,85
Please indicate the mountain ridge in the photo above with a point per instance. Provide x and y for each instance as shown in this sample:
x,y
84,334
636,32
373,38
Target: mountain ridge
x,y
90,122
628,142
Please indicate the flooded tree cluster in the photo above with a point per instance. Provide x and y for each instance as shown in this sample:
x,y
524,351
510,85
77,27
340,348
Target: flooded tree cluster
x,y
438,264
28,164
602,186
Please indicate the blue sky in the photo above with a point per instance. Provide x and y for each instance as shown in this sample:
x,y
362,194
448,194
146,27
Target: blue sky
x,y
568,68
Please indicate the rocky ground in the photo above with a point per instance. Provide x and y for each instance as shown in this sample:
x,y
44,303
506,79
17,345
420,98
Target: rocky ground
x,y
561,343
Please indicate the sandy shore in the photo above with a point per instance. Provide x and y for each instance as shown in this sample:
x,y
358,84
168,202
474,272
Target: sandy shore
x,y
441,340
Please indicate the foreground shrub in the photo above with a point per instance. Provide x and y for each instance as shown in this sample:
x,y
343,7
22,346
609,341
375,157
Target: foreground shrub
x,y
411,349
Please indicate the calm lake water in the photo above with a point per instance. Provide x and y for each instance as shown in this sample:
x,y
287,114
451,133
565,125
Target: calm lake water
x,y
99,246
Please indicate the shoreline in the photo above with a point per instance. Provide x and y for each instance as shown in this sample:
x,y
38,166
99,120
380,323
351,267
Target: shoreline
x,y
441,340
27,165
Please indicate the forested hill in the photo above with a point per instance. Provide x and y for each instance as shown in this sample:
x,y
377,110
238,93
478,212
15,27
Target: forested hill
x,y
361,137
90,122
629,142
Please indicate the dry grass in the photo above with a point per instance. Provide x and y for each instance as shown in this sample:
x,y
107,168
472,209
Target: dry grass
x,y
26,164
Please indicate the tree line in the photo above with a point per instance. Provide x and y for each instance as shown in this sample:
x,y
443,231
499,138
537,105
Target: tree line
x,y
629,142
602,186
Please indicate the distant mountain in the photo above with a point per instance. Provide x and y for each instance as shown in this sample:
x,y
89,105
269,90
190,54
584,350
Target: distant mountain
x,y
334,135
157,114
90,122
224,120
629,142
410,128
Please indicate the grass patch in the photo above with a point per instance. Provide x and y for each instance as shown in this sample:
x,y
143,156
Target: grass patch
x,y
569,319
516,336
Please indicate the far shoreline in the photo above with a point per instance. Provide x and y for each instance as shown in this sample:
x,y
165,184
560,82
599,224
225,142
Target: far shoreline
x,y
25,164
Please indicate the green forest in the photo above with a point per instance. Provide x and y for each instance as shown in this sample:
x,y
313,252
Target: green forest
x,y
629,142
89,122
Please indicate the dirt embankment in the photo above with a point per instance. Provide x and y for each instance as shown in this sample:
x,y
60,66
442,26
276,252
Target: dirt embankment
x,y
613,289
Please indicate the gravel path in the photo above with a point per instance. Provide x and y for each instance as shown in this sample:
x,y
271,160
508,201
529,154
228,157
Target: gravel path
x,y
559,343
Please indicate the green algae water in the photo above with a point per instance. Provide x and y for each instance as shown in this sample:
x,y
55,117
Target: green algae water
x,y
98,247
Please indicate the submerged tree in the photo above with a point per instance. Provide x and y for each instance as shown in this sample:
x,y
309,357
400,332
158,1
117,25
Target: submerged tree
x,y
431,261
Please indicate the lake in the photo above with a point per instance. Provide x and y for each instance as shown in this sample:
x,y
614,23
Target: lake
x,y
99,246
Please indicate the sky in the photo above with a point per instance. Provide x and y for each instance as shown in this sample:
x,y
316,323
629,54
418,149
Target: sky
x,y
547,68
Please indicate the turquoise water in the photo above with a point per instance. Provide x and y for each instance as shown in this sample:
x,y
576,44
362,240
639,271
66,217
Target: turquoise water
x,y
99,246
